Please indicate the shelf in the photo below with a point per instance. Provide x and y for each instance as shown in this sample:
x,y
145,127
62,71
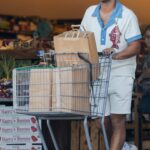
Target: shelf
x,y
21,53
16,32
129,125
145,125
6,100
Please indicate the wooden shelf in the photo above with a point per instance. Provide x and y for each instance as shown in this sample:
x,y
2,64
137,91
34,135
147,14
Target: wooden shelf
x,y
16,32
146,125
7,100
21,53
129,125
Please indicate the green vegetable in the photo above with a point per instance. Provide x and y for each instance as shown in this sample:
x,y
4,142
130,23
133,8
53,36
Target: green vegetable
x,y
7,64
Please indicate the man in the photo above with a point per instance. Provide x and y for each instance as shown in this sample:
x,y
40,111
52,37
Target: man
x,y
116,29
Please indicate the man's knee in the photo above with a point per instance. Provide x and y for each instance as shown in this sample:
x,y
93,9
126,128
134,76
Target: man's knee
x,y
118,121
106,122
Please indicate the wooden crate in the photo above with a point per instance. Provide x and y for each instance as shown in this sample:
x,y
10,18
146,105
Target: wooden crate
x,y
78,139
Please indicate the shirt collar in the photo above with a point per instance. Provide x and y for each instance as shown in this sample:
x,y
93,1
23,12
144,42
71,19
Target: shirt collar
x,y
117,13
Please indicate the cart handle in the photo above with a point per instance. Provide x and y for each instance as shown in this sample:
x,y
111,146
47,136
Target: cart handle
x,y
103,55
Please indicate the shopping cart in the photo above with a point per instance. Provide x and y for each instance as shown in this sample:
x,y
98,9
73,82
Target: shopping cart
x,y
71,89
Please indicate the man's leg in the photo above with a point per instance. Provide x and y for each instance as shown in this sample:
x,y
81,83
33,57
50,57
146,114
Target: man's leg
x,y
118,131
107,123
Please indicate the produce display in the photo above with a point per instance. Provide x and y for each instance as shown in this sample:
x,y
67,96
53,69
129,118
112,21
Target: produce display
x,y
7,44
7,64
5,89
30,33
19,32
14,24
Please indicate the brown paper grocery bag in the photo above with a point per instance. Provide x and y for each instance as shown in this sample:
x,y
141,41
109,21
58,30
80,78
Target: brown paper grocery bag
x,y
71,90
40,90
77,41
71,59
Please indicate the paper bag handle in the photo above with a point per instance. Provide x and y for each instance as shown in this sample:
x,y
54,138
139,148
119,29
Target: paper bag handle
x,y
76,30
77,27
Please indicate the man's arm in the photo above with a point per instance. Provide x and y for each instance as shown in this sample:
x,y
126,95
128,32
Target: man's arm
x,y
132,50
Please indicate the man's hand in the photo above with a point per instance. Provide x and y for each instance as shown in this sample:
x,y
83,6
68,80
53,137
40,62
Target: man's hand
x,y
108,51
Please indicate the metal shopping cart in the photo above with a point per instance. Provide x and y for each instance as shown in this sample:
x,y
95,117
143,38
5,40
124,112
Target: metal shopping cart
x,y
70,89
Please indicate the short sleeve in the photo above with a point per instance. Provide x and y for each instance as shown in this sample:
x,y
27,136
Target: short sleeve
x,y
133,32
84,22
86,18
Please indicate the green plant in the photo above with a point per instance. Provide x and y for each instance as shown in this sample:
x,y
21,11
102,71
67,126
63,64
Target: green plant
x,y
23,63
7,64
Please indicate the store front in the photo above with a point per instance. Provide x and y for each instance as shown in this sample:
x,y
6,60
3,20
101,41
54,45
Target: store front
x,y
27,31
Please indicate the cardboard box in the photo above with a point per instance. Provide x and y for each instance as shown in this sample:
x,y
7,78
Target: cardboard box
x,y
40,90
71,90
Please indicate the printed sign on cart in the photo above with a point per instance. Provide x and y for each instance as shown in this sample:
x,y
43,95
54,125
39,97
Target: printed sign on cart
x,y
17,128
20,147
19,139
